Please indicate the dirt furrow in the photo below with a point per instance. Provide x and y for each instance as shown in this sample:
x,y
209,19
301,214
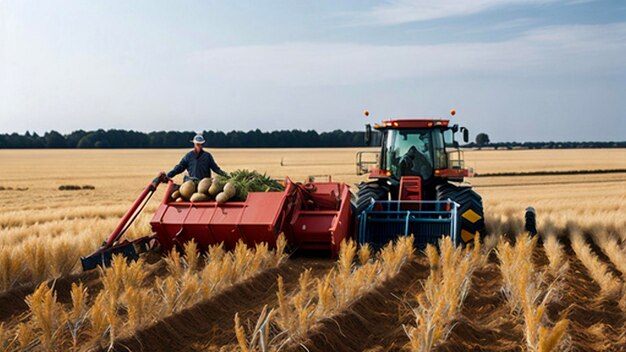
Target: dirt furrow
x,y
210,322
596,323
486,323
225,335
374,321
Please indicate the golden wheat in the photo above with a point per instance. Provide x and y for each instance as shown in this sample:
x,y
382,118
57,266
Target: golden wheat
x,y
444,291
42,240
611,248
46,316
127,302
529,294
325,296
558,263
78,313
259,335
599,271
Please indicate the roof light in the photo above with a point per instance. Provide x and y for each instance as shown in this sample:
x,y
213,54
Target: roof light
x,y
395,124
452,112
366,113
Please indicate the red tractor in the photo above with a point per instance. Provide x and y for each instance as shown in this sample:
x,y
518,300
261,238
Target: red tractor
x,y
416,185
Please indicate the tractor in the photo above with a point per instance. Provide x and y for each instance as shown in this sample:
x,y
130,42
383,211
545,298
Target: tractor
x,y
416,184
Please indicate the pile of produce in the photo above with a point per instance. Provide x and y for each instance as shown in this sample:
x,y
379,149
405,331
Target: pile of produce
x,y
234,187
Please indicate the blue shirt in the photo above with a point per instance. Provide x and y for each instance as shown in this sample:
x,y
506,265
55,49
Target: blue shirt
x,y
198,166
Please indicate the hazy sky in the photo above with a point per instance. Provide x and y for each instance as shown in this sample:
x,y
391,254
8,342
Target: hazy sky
x,y
522,70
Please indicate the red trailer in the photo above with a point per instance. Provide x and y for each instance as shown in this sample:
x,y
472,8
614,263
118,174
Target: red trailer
x,y
314,216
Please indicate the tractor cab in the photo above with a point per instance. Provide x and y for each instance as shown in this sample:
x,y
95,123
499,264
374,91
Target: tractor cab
x,y
416,147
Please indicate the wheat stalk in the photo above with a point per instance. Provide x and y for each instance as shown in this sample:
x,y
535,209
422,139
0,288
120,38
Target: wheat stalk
x,y
609,246
444,292
364,254
599,271
192,255
45,314
26,337
556,256
527,293
78,313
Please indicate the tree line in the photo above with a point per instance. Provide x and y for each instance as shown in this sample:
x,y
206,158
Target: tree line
x,y
240,139
175,139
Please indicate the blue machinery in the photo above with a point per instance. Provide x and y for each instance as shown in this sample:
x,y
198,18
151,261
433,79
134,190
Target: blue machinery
x,y
427,220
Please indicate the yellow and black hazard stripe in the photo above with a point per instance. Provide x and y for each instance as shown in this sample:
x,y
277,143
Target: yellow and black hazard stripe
x,y
471,217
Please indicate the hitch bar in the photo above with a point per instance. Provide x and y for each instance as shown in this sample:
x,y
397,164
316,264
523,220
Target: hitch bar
x,y
129,249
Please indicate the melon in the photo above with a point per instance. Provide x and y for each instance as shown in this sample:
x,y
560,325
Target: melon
x,y
230,189
216,187
187,189
204,184
199,197
222,197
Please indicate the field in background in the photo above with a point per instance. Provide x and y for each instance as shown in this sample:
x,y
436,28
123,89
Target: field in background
x,y
119,175
43,231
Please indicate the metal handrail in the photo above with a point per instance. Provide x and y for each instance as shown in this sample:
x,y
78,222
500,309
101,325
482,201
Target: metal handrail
x,y
362,167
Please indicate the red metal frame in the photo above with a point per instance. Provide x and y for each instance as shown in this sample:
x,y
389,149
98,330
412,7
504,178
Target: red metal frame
x,y
326,226
452,173
411,123
132,212
378,173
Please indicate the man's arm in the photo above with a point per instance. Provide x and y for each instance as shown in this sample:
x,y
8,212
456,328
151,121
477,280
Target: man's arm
x,y
213,166
182,166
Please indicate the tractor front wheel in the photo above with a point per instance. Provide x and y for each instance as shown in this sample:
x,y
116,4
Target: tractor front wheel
x,y
369,191
471,215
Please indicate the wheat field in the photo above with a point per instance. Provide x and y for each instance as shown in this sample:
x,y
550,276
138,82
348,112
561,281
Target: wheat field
x,y
561,290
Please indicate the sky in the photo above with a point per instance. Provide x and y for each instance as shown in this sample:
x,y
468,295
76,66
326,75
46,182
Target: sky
x,y
518,70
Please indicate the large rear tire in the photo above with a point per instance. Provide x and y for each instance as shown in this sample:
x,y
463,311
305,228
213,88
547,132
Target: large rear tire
x,y
471,215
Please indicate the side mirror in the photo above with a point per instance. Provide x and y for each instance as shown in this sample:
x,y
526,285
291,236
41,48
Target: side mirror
x,y
465,134
368,134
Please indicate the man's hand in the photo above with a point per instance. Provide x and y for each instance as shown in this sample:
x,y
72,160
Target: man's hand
x,y
162,177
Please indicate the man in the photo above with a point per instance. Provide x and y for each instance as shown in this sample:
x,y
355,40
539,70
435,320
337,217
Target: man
x,y
414,163
197,162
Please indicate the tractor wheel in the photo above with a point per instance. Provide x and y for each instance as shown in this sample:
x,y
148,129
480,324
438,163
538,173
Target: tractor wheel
x,y
471,216
367,192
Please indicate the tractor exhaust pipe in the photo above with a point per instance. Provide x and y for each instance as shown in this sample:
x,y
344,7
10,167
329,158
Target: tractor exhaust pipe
x,y
531,221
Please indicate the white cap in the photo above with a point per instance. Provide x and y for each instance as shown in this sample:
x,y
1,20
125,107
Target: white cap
x,y
198,139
